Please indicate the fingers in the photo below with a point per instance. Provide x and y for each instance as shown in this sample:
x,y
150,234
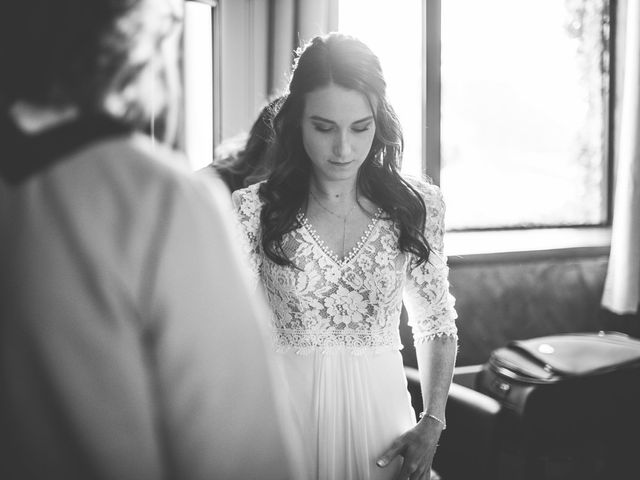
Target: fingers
x,y
424,474
413,467
413,472
418,455
392,452
416,465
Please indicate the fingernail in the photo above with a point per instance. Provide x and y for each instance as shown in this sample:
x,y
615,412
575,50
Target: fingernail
x,y
382,462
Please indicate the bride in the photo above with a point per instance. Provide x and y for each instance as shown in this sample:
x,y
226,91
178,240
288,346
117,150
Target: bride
x,y
338,239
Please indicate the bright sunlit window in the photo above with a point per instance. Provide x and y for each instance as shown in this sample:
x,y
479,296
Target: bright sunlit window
x,y
524,96
393,30
198,81
524,92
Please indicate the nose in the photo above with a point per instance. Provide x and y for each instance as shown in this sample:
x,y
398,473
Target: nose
x,y
342,145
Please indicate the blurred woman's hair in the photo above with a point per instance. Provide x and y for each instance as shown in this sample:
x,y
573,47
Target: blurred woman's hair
x,y
99,57
349,63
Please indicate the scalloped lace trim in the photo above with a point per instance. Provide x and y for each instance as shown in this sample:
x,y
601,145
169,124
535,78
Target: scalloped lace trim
x,y
304,342
417,340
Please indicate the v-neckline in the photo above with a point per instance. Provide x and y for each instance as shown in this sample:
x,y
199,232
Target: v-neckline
x,y
351,254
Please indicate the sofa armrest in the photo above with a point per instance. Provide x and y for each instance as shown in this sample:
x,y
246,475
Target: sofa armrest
x,y
463,399
468,448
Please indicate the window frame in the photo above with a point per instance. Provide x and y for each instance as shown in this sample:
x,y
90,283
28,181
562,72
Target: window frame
x,y
431,141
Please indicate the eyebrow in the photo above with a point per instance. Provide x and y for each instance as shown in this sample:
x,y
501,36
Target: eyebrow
x,y
326,120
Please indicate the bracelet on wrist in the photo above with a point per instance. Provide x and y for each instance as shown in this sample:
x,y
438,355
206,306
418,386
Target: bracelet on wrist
x,y
433,417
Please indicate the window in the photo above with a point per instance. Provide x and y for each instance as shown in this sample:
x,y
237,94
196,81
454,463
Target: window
x,y
395,36
521,127
199,81
524,92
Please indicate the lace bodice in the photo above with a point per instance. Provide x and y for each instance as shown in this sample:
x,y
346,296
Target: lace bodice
x,y
352,303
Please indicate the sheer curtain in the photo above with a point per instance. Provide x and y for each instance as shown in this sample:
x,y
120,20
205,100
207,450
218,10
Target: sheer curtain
x,y
622,285
292,23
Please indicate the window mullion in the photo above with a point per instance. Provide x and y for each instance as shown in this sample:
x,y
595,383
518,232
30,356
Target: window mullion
x,y
431,89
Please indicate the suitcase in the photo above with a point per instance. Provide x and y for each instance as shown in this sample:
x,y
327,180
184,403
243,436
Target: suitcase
x,y
570,406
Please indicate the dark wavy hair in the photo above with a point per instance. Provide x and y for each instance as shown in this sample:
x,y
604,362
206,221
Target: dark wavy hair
x,y
76,52
345,61
250,163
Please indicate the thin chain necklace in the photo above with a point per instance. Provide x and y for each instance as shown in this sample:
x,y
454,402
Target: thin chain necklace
x,y
341,217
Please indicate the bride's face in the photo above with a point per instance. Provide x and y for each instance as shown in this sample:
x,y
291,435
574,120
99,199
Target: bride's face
x,y
338,127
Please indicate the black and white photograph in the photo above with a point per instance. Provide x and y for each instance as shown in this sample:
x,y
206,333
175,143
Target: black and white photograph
x,y
320,240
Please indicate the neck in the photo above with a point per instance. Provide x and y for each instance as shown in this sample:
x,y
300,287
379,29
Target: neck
x,y
338,192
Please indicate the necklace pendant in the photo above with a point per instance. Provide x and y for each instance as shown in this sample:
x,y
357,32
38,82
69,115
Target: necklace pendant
x,y
327,209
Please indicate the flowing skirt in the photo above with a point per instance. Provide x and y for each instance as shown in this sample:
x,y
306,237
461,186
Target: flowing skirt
x,y
348,410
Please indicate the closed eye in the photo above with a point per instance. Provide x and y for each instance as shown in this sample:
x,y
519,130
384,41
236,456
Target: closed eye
x,y
362,125
322,128
361,129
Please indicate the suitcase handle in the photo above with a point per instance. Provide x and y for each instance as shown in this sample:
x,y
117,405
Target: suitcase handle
x,y
513,374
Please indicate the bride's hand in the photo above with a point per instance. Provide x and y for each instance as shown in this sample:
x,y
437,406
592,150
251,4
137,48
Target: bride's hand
x,y
417,447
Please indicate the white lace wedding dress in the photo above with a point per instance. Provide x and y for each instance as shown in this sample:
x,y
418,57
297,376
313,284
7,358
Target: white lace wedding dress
x,y
335,326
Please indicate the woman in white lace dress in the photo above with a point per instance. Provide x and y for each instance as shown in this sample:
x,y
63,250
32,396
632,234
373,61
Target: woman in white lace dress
x,y
337,239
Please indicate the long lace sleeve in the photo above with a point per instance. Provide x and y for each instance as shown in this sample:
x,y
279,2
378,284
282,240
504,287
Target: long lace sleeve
x,y
247,205
429,303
